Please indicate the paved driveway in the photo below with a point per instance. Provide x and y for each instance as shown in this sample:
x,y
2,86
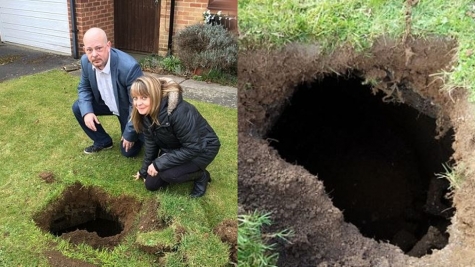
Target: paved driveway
x,y
17,60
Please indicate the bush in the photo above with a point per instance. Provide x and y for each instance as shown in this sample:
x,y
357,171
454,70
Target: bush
x,y
207,47
158,64
171,64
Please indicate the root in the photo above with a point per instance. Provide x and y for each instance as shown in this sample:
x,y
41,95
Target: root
x,y
408,50
407,32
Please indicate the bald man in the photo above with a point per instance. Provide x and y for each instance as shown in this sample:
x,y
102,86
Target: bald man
x,y
106,76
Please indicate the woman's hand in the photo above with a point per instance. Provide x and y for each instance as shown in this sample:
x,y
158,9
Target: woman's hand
x,y
151,170
136,176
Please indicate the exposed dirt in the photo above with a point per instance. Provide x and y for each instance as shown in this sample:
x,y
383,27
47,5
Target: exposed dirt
x,y
89,215
227,231
344,148
47,177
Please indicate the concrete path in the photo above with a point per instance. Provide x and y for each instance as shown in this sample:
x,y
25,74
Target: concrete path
x,y
207,92
17,60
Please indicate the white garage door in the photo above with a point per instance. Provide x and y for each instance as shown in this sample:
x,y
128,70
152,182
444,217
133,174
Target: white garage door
x,y
37,23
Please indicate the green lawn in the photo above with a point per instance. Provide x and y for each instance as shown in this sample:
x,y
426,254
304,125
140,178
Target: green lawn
x,y
267,24
38,132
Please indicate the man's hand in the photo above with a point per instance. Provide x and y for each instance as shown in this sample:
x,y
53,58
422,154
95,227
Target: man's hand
x,y
126,144
151,170
90,120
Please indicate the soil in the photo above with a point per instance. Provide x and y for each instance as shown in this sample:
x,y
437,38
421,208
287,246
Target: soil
x,y
89,215
349,150
227,231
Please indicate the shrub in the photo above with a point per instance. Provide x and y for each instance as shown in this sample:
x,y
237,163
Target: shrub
x,y
207,47
171,64
158,64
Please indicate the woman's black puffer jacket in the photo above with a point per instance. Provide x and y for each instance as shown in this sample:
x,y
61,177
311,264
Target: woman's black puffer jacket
x,y
182,136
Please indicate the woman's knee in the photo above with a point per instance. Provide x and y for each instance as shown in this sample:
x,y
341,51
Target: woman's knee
x,y
168,177
151,187
154,183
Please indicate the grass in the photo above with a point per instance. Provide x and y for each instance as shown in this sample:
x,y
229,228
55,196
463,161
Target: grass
x,y
266,24
164,238
255,248
216,76
455,175
38,132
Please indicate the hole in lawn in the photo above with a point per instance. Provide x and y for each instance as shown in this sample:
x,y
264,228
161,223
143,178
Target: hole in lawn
x,y
92,218
89,215
377,160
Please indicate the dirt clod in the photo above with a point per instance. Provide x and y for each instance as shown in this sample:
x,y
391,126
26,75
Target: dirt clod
x,y
47,176
227,232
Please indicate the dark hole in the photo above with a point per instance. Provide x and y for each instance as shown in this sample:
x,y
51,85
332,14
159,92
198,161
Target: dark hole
x,y
91,219
377,160
88,215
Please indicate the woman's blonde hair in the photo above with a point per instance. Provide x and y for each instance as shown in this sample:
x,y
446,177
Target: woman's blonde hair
x,y
155,89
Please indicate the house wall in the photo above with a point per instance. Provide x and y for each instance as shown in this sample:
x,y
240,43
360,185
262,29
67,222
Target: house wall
x,y
100,13
187,12
93,13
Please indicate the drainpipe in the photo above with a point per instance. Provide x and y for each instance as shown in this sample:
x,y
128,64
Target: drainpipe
x,y
72,6
170,33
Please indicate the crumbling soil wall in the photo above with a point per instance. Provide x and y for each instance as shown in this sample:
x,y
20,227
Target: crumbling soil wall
x,y
409,73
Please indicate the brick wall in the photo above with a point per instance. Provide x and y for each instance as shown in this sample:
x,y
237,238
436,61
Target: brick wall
x,y
93,13
100,13
187,12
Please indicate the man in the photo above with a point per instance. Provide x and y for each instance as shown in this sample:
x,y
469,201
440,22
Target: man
x,y
106,76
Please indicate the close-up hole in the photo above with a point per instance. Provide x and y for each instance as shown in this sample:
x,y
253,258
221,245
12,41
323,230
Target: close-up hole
x,y
380,161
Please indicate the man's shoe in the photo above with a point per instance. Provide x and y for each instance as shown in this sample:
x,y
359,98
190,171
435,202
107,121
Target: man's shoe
x,y
94,149
199,187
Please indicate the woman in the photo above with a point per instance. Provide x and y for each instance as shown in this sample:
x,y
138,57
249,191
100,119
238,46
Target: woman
x,y
179,142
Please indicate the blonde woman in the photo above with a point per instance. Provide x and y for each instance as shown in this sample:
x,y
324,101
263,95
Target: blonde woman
x,y
179,142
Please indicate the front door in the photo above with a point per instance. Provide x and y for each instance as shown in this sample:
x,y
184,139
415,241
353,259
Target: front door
x,y
136,25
